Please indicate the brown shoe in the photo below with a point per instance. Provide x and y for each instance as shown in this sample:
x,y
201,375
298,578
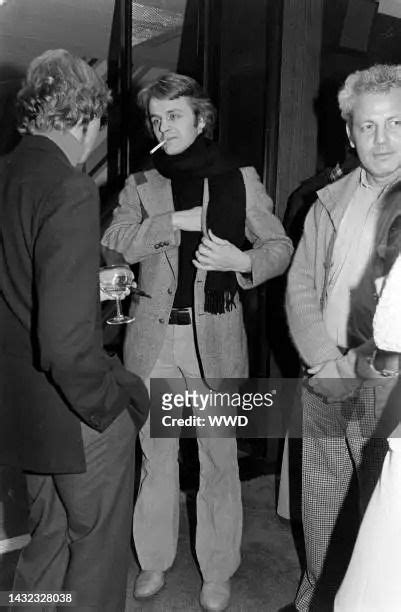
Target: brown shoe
x,y
215,596
148,583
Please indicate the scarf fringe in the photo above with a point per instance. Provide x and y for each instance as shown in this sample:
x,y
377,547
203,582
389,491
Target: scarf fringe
x,y
218,303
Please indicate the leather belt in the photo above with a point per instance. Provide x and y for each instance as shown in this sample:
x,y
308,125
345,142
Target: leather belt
x,y
180,316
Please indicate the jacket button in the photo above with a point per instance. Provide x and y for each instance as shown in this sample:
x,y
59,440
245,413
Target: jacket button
x,y
161,321
169,291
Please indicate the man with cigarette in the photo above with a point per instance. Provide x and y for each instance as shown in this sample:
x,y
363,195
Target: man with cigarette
x,y
186,222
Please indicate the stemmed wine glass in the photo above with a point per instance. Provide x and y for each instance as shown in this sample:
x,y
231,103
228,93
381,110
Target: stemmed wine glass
x,y
115,281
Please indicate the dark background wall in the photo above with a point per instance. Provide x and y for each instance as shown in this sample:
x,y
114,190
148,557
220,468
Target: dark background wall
x,y
241,87
354,36
29,28
236,47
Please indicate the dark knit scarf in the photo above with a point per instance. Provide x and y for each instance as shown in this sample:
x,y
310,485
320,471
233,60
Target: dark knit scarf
x,y
226,210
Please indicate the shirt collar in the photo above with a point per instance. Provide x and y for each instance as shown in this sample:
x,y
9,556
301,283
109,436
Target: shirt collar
x,y
363,181
379,188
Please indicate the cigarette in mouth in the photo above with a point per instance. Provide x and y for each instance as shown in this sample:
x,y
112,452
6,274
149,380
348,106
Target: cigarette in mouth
x,y
157,146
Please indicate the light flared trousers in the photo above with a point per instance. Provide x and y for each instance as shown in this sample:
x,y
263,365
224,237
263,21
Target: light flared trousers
x,y
219,506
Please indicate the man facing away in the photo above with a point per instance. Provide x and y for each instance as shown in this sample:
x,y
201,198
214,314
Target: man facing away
x,y
192,330
334,252
69,413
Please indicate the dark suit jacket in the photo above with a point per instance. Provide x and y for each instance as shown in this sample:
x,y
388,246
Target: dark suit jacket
x,y
53,370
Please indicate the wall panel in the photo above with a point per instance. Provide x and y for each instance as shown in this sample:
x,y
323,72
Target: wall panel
x,y
297,142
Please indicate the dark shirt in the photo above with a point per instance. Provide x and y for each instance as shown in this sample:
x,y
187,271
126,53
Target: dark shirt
x,y
187,193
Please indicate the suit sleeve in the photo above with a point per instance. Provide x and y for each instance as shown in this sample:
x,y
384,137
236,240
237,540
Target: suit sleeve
x,y
69,335
133,233
271,248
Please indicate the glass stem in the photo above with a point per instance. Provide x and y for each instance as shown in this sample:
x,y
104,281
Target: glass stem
x,y
118,304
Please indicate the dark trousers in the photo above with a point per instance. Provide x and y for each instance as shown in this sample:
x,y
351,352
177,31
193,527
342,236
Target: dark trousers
x,y
80,524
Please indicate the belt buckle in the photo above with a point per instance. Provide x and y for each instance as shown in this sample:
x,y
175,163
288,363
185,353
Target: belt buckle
x,y
180,316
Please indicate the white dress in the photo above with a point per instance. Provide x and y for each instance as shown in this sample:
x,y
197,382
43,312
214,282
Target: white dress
x,y
373,581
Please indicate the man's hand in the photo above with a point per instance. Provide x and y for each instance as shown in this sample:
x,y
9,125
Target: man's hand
x,y
217,254
105,296
370,368
335,380
188,220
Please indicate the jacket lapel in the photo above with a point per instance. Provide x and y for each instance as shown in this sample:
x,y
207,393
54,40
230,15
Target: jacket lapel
x,y
155,194
336,196
157,198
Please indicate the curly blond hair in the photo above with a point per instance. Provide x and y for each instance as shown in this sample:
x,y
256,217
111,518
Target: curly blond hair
x,y
59,92
376,79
